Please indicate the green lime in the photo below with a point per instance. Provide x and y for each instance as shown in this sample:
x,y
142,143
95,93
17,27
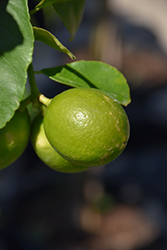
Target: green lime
x,y
14,138
86,126
46,152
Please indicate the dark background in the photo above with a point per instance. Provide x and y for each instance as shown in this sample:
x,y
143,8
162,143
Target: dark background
x,y
120,206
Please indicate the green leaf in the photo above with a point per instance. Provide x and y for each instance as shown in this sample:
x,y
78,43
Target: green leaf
x,y
46,37
16,46
45,3
92,74
70,13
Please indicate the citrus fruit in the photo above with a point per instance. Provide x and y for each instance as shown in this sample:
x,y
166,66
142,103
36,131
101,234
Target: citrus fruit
x,y
14,138
46,152
86,126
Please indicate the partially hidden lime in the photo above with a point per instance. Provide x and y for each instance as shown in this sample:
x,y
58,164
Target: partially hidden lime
x,y
86,126
45,151
14,138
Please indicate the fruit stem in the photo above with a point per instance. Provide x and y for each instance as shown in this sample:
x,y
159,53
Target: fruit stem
x,y
24,103
33,86
44,100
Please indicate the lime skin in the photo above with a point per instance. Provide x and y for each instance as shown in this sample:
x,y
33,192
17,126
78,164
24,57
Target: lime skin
x,y
46,152
14,138
86,126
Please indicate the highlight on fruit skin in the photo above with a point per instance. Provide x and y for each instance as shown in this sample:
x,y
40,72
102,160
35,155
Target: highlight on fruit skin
x,y
86,126
46,152
14,138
